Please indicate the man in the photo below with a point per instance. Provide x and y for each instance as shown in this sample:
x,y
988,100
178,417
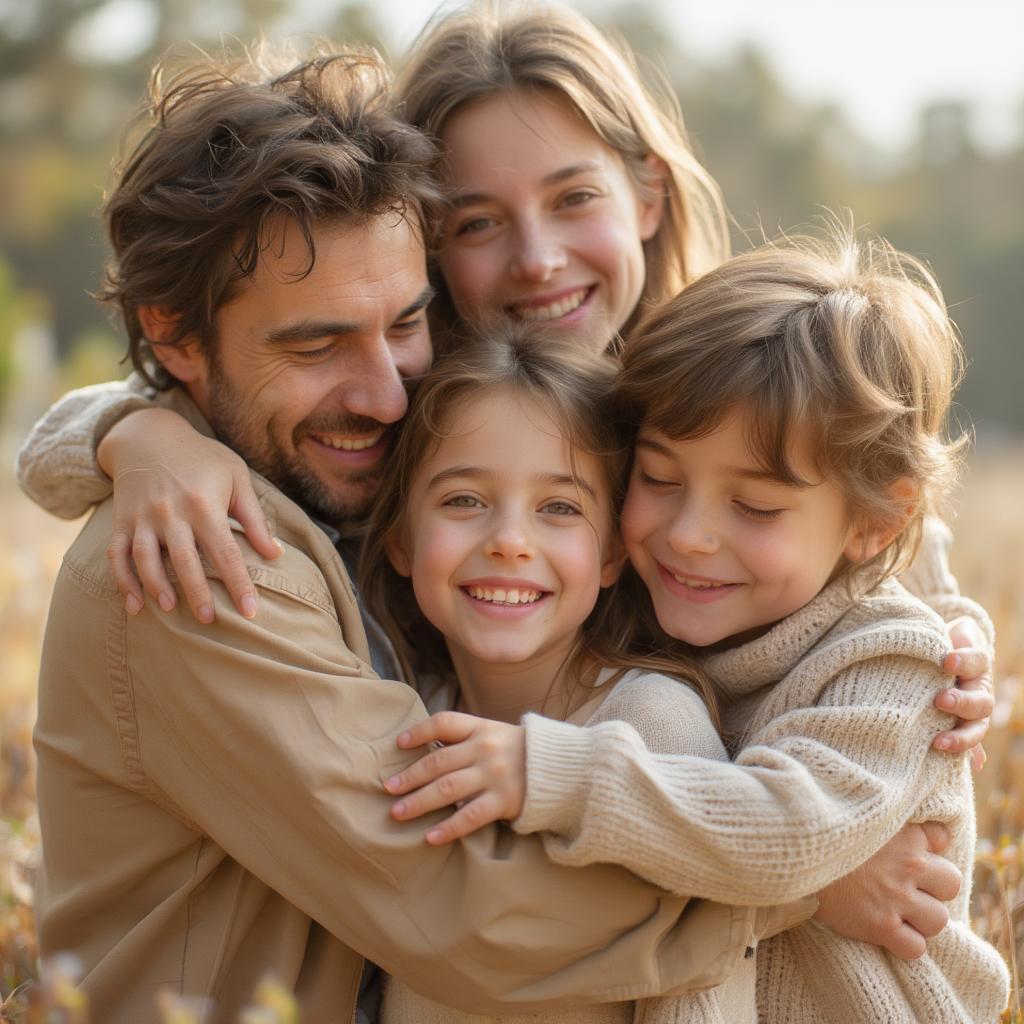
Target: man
x,y
211,797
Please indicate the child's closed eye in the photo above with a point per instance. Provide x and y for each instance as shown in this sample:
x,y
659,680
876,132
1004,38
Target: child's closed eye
x,y
762,515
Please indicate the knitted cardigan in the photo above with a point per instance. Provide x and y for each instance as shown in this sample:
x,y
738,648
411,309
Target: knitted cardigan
x,y
834,707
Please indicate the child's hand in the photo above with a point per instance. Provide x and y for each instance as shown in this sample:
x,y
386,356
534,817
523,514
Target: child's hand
x,y
481,768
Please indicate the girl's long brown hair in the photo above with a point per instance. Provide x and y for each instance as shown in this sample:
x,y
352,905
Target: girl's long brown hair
x,y
577,388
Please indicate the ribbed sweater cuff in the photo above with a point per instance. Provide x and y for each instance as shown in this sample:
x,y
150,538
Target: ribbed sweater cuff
x,y
558,756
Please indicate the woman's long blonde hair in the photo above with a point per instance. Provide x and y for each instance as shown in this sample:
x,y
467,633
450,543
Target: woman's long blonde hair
x,y
576,388
492,46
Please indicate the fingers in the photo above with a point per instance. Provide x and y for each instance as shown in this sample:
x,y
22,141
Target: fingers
x,y
964,737
905,942
442,792
927,916
119,556
484,810
978,757
937,836
965,632
228,562
972,665
431,767
940,881
149,565
446,726
181,549
245,509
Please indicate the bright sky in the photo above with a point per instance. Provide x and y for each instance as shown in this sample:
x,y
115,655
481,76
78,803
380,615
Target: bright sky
x,y
879,59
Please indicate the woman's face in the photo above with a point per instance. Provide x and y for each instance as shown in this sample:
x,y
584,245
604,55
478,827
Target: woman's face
x,y
547,225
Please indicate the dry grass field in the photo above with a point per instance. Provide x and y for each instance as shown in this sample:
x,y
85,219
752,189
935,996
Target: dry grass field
x,y
988,558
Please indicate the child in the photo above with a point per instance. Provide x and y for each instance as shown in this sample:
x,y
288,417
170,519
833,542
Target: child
x,y
791,405
492,550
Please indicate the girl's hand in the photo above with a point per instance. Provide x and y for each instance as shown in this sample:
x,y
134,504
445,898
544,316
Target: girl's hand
x,y
481,769
174,491
896,899
972,699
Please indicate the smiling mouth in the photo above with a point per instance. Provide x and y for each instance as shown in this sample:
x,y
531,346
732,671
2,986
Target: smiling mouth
x,y
348,444
551,310
504,596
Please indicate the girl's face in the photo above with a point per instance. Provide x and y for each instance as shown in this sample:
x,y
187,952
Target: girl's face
x,y
508,539
725,549
548,226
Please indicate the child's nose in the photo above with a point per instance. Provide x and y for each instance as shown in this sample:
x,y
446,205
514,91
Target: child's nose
x,y
510,539
692,531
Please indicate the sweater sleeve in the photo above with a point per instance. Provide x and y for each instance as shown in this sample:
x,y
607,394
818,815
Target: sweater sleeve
x,y
929,577
56,465
812,795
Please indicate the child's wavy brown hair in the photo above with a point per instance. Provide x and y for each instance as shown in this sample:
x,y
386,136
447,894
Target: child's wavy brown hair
x,y
576,387
838,334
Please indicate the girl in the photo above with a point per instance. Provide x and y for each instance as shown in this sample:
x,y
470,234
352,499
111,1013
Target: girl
x,y
577,202
490,560
791,404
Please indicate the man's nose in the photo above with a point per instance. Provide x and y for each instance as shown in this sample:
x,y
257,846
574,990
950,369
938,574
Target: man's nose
x,y
538,254
374,386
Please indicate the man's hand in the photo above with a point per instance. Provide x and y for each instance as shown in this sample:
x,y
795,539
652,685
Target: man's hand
x,y
972,699
481,769
895,899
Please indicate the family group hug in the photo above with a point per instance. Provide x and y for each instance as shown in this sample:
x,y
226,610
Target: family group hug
x,y
499,603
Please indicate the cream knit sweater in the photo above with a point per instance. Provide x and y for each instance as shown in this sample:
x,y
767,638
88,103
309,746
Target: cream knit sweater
x,y
669,718
835,709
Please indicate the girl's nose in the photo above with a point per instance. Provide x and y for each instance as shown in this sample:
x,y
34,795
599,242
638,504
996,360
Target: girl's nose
x,y
510,540
692,532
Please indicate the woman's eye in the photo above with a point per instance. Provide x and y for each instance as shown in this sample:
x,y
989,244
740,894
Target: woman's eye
x,y
762,515
463,501
578,198
474,225
560,508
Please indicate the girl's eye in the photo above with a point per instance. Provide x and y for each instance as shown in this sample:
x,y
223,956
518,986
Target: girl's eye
x,y
762,515
652,481
560,508
463,501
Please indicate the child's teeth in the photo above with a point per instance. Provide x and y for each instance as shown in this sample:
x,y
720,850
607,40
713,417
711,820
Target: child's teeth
x,y
694,584
504,596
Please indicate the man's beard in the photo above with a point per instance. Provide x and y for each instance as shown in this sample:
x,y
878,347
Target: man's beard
x,y
240,428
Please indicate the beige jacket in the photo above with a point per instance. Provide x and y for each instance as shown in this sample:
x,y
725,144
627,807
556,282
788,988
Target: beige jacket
x,y
212,807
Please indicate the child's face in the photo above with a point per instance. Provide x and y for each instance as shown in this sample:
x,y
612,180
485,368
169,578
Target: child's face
x,y
507,542
547,226
724,549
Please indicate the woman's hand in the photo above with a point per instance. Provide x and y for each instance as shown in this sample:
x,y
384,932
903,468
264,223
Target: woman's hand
x,y
481,769
972,699
896,899
174,491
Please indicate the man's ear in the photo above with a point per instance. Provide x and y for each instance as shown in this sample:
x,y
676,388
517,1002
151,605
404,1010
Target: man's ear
x,y
614,559
652,209
182,360
394,547
868,539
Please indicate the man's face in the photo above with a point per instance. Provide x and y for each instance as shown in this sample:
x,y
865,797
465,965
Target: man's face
x,y
306,378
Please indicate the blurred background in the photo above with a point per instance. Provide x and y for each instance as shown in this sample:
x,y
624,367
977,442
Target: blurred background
x,y
909,113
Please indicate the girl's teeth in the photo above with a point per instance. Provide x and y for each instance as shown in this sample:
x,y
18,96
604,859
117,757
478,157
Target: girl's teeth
x,y
499,596
553,310
350,444
695,585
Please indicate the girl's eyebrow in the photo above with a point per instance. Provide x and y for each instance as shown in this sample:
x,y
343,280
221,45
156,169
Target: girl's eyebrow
x,y
477,473
554,178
